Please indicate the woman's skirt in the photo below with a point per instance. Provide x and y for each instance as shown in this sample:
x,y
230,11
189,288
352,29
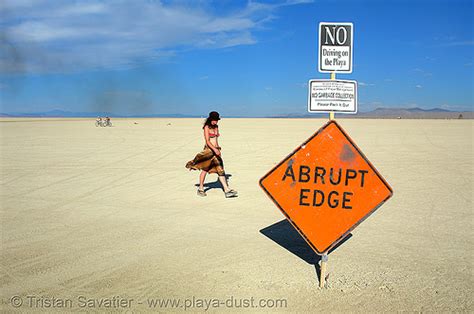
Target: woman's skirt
x,y
208,161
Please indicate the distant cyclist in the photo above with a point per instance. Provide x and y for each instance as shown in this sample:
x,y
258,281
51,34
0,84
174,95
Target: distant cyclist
x,y
98,121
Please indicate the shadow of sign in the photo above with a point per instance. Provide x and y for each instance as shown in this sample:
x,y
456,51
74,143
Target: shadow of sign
x,y
286,236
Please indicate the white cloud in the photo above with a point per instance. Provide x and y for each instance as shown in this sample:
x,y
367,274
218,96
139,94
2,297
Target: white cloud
x,y
51,36
362,84
458,43
423,72
78,8
419,86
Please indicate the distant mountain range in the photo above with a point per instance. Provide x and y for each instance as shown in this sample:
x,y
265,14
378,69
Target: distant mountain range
x,y
395,113
379,113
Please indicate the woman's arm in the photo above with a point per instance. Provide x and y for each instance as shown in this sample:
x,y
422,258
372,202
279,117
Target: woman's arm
x,y
217,142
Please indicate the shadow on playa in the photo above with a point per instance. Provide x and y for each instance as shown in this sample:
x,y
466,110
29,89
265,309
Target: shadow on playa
x,y
286,236
214,185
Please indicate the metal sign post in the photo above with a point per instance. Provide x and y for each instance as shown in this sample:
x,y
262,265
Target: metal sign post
x,y
325,257
334,40
331,114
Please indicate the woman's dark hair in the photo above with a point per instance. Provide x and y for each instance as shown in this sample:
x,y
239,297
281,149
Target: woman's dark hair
x,y
213,116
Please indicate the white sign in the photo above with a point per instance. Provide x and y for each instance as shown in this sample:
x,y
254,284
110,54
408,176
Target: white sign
x,y
335,47
332,96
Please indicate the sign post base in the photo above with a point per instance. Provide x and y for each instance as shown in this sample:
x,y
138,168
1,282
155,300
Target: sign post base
x,y
322,277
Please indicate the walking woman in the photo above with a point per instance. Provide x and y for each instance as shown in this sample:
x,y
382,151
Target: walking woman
x,y
210,159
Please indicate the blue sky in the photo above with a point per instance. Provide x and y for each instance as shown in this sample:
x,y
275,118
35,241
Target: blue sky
x,y
247,58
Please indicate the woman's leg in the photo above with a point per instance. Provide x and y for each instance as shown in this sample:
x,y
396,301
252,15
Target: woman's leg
x,y
202,177
224,183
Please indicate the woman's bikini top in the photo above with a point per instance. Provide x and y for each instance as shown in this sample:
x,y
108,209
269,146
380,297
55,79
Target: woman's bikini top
x,y
214,134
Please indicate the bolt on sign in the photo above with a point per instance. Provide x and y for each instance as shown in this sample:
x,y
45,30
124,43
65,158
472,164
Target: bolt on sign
x,y
326,187
335,47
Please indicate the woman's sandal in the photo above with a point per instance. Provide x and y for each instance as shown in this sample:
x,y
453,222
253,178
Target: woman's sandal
x,y
201,193
230,193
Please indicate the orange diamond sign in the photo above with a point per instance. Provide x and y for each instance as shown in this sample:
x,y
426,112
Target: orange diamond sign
x,y
326,187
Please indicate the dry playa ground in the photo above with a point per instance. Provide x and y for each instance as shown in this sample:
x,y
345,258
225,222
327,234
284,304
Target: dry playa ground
x,y
109,218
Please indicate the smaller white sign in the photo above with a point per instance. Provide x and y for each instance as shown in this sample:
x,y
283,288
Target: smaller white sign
x,y
332,96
